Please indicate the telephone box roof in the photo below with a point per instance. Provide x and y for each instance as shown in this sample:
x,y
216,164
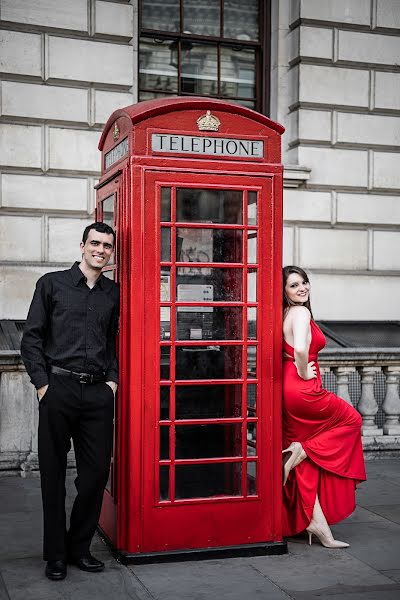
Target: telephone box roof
x,y
150,108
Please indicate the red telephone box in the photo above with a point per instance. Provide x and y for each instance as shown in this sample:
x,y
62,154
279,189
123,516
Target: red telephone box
x,y
193,187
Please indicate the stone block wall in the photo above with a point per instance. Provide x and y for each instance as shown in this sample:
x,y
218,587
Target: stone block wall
x,y
336,88
64,67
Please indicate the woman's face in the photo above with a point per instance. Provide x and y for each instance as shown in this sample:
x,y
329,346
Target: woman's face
x,y
297,289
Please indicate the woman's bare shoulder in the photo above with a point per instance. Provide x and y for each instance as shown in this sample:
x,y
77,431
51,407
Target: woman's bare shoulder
x,y
299,312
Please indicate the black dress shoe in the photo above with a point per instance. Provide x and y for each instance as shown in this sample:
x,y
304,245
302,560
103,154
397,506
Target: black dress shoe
x,y
56,569
88,563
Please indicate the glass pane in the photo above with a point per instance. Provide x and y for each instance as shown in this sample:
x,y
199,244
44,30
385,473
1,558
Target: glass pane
x,y
251,439
208,245
165,284
208,362
208,441
108,211
241,19
152,95
248,103
252,285
208,401
221,324
165,356
252,247
204,481
252,323
164,483
165,244
209,206
252,208
238,68
201,18
251,362
164,403
251,399
165,204
164,442
161,15
157,70
209,285
251,478
198,69
165,323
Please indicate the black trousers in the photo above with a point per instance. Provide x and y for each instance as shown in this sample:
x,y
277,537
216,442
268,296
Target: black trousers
x,y
83,413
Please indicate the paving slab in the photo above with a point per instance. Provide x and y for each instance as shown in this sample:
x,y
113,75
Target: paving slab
x,y
351,593
231,579
391,512
25,580
377,544
309,568
392,574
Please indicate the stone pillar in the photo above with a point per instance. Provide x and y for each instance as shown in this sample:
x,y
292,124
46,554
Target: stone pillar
x,y
342,380
391,404
16,419
368,406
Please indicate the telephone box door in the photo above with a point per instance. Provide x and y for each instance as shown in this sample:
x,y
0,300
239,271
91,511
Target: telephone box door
x,y
207,464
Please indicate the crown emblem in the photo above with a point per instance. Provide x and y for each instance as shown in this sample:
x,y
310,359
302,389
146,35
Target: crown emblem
x,y
208,122
115,131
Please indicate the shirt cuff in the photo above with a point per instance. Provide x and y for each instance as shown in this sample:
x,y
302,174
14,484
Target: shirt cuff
x,y
40,380
112,375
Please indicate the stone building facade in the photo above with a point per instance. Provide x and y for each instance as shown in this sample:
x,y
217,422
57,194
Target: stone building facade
x,y
334,85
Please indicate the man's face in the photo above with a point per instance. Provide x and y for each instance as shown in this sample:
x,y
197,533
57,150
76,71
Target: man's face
x,y
97,250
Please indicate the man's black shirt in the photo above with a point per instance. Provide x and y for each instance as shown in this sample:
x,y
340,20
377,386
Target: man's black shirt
x,y
71,326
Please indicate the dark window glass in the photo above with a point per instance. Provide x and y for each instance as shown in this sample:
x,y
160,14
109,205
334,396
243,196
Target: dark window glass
x,y
108,211
205,481
194,205
165,204
194,323
165,354
164,442
161,14
208,401
251,478
205,284
197,245
164,403
208,362
164,483
208,441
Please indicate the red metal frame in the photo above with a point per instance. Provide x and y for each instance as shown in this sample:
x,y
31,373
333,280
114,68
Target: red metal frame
x,y
133,517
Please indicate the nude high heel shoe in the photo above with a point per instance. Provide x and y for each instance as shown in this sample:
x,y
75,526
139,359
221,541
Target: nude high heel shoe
x,y
325,537
297,455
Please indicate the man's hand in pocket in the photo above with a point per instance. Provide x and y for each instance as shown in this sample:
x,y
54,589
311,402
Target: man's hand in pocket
x,y
41,391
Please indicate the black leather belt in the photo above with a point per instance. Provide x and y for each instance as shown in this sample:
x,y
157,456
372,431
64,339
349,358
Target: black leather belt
x,y
81,377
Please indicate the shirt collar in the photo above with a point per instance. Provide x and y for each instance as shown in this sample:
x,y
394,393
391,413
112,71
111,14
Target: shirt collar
x,y
77,275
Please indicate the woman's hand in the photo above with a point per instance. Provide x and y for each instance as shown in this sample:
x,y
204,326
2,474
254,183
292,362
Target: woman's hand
x,y
311,372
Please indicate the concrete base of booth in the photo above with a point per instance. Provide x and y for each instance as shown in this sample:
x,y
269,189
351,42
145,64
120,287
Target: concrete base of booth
x,y
259,549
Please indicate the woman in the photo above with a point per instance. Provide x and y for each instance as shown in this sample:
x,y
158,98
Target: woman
x,y
323,457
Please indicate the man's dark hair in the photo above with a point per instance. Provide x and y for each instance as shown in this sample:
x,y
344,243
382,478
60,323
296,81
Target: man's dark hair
x,y
101,228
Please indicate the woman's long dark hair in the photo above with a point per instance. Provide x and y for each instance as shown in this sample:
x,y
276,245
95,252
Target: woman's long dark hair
x,y
286,302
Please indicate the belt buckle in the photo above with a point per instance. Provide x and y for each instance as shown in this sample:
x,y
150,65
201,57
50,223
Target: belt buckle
x,y
85,378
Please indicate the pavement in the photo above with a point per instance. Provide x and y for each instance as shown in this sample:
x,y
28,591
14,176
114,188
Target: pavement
x,y
368,570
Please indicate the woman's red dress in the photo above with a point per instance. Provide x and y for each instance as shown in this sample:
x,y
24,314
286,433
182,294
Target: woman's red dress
x,y
329,430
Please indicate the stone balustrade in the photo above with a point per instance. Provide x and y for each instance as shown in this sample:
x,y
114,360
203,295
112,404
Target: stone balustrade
x,y
367,378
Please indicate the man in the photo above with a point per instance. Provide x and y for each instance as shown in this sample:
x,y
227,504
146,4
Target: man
x,y
68,349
